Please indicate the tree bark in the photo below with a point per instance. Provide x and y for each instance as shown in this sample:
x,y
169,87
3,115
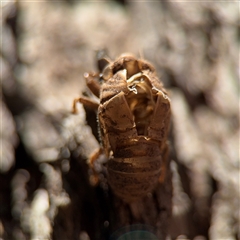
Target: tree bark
x,y
45,191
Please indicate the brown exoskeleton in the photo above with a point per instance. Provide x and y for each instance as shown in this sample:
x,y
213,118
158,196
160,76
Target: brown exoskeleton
x,y
134,118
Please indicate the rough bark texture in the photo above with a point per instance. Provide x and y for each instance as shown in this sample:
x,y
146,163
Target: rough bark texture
x,y
44,177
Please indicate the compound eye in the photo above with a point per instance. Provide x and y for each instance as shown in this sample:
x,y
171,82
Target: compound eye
x,y
102,59
131,65
107,73
102,63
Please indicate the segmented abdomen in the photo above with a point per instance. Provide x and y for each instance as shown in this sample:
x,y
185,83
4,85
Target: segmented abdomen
x,y
132,178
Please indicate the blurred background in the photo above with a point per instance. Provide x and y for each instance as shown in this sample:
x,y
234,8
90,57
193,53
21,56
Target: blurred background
x,y
46,46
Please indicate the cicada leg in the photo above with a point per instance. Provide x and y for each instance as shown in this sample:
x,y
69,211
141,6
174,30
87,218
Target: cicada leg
x,y
92,83
94,179
86,102
94,86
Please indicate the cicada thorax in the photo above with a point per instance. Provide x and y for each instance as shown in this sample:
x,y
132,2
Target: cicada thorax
x,y
135,169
